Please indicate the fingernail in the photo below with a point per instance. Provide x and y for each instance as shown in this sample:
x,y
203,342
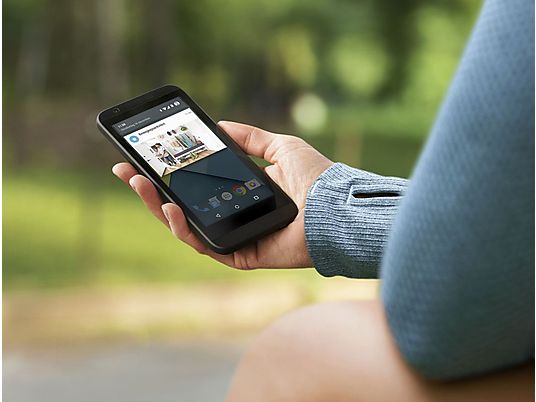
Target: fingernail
x,y
131,183
165,211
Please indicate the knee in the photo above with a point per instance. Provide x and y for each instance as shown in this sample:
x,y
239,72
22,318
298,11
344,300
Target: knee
x,y
344,352
278,364
322,352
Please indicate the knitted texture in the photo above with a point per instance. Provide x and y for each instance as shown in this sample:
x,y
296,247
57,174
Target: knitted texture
x,y
345,234
458,268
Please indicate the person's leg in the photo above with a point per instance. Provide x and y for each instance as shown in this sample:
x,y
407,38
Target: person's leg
x,y
344,352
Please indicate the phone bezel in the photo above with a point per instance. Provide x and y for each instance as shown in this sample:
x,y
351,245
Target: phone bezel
x,y
224,236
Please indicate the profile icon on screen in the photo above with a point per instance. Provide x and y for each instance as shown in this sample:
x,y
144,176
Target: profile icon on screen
x,y
134,139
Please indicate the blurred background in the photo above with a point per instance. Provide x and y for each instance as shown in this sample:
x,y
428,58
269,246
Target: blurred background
x,y
102,303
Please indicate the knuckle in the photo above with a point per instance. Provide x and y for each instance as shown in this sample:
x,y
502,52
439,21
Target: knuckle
x,y
292,139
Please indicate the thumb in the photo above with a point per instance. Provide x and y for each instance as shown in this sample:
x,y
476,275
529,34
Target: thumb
x,y
253,140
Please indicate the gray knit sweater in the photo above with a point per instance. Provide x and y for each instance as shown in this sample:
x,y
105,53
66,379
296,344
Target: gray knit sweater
x,y
455,245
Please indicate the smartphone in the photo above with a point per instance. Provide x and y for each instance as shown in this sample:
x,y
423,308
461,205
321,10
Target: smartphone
x,y
228,200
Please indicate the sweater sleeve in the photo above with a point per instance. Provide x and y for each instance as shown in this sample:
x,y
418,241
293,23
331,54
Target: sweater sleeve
x,y
458,269
348,215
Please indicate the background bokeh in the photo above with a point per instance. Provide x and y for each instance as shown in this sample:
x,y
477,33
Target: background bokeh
x,y
84,266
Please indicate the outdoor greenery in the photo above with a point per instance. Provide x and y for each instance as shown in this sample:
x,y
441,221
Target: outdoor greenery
x,y
59,234
360,80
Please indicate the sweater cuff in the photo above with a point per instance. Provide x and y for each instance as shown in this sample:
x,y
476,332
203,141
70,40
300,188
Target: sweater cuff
x,y
348,214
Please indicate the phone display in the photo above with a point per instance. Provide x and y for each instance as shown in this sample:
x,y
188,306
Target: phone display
x,y
195,164
227,199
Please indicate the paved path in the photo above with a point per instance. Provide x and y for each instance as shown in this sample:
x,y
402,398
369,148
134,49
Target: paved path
x,y
155,372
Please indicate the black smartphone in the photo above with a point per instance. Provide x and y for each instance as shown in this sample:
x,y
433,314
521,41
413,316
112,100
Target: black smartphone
x,y
227,199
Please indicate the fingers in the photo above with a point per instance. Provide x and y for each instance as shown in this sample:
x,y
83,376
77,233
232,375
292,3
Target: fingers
x,y
149,195
179,227
175,218
181,230
254,141
143,187
124,171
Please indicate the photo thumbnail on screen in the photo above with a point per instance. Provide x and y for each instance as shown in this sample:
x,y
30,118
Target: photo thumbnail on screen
x,y
175,142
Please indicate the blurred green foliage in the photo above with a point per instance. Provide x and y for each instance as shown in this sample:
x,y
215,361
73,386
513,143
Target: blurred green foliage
x,y
362,80
52,245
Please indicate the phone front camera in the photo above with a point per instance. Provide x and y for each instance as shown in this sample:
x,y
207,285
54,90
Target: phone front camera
x,y
116,110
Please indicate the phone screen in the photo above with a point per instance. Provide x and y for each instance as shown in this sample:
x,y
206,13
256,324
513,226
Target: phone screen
x,y
211,180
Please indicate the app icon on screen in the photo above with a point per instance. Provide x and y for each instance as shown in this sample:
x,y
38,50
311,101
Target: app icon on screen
x,y
201,209
214,202
253,183
239,190
134,139
226,196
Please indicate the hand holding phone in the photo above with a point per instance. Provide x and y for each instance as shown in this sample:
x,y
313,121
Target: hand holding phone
x,y
295,165
217,199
